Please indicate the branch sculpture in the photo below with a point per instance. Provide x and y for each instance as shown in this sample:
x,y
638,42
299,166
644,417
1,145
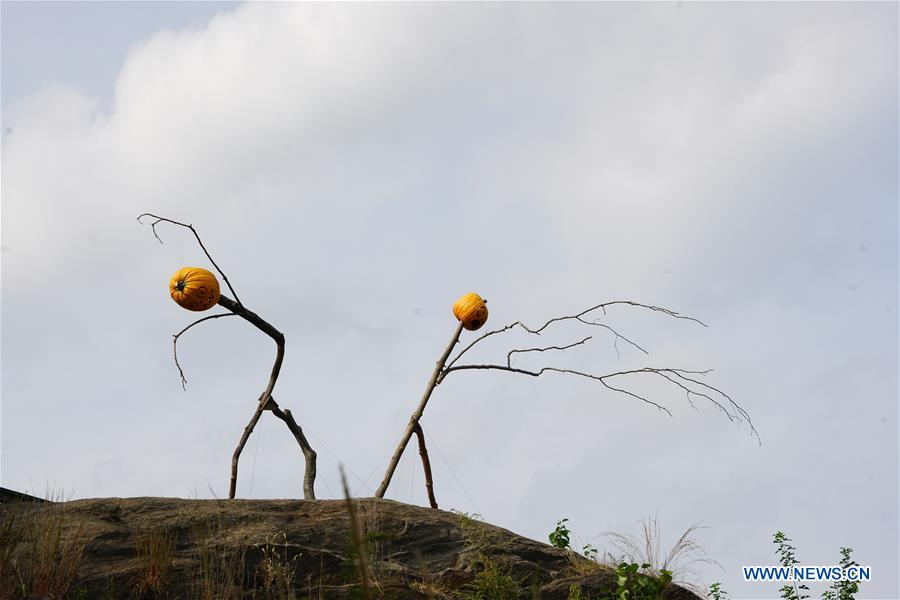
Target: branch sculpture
x,y
687,381
266,400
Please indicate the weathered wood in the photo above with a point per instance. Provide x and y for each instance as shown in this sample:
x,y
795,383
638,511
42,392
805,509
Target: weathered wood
x,y
266,401
426,465
309,455
414,419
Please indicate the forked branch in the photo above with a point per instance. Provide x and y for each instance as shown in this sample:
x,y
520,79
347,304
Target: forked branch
x,y
179,334
685,380
265,401
580,317
420,409
196,236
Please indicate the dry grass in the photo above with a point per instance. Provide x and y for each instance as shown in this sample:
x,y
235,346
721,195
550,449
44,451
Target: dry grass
x,y
41,549
11,535
155,551
432,589
646,548
583,566
220,573
276,570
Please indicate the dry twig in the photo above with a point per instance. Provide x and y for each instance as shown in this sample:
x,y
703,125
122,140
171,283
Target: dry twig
x,y
683,379
266,400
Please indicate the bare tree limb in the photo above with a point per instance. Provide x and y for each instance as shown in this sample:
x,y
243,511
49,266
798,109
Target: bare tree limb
x,y
601,378
475,341
606,305
580,318
414,419
738,414
178,335
615,333
681,379
426,465
511,352
236,455
309,455
199,241
266,328
266,401
266,396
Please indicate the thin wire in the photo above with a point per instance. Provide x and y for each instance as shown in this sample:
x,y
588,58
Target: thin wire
x,y
325,481
400,468
335,456
441,454
255,453
375,468
411,477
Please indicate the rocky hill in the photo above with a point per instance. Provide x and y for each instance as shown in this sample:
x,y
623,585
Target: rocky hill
x,y
174,548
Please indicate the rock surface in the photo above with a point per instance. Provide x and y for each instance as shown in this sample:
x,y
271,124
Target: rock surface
x,y
221,546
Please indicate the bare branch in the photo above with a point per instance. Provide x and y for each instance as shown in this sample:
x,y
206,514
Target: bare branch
x,y
266,401
600,378
511,352
606,305
675,376
309,455
580,318
626,392
617,335
178,335
260,407
743,415
476,340
438,372
265,327
265,398
426,466
199,241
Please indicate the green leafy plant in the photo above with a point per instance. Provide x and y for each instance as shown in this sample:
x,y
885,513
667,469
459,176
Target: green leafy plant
x,y
716,592
576,593
787,557
839,590
643,550
559,537
492,582
843,590
633,582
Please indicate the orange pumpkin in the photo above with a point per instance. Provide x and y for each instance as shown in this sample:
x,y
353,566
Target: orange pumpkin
x,y
194,288
472,310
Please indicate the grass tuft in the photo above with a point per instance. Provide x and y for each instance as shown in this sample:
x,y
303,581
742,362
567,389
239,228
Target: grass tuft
x,y
155,551
682,559
41,550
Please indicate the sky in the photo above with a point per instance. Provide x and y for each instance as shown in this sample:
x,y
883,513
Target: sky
x,y
354,168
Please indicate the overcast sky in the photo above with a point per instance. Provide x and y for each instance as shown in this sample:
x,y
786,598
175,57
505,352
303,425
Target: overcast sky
x,y
356,168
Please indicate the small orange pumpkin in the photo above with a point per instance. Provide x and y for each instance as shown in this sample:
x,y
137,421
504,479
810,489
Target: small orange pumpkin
x,y
194,288
472,310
